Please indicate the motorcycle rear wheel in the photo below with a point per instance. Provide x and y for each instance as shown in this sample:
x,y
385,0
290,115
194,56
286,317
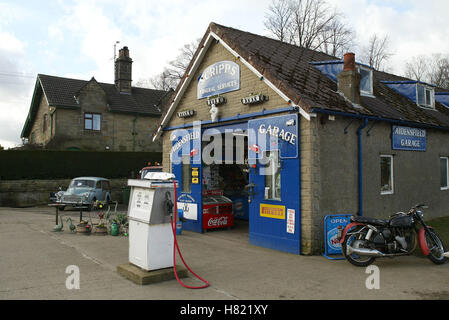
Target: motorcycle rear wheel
x,y
436,248
355,259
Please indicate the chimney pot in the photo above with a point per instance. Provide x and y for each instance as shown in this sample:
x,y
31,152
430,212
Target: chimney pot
x,y
349,62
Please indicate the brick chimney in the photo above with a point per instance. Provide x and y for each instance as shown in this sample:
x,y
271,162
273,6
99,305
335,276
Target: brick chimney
x,y
348,81
123,71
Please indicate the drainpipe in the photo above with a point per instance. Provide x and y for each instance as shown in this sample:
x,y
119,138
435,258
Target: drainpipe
x,y
134,133
360,167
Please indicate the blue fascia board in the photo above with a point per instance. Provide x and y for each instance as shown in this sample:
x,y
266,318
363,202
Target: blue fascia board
x,y
237,117
377,118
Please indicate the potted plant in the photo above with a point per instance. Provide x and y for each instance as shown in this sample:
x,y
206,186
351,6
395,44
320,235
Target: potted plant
x,y
101,229
84,227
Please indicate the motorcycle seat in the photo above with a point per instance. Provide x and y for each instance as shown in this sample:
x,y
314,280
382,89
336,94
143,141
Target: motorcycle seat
x,y
376,222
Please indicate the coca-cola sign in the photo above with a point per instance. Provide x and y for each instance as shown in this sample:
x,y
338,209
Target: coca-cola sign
x,y
218,222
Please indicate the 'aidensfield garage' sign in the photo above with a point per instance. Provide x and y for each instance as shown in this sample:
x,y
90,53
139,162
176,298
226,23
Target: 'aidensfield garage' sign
x,y
406,138
221,77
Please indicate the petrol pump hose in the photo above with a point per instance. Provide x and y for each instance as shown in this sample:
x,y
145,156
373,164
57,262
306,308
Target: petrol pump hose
x,y
176,247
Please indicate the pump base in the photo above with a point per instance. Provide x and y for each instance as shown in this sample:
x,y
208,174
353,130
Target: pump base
x,y
143,277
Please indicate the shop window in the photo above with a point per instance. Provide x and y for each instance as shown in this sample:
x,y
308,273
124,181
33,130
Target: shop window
x,y
386,174
273,176
444,173
425,96
186,174
92,121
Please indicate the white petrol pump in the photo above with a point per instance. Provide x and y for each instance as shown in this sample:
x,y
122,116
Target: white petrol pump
x,y
152,215
151,205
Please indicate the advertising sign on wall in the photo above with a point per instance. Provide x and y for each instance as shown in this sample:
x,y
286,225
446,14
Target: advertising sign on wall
x,y
275,133
331,225
272,211
406,138
221,77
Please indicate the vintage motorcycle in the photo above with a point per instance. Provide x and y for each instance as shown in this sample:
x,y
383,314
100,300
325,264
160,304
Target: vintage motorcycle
x,y
365,239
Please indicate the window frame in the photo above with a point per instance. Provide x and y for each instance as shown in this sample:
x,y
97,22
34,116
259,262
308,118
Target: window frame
x,y
391,191
447,173
92,120
186,176
431,93
272,173
370,71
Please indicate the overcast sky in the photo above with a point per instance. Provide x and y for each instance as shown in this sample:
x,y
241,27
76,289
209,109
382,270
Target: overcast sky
x,y
75,38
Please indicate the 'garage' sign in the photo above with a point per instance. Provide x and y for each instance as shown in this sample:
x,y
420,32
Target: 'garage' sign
x,y
406,138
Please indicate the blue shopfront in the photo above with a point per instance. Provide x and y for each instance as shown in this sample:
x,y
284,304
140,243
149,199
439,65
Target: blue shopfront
x,y
247,170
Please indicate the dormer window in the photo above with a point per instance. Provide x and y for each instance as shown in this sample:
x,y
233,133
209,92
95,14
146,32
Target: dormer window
x,y
425,96
366,81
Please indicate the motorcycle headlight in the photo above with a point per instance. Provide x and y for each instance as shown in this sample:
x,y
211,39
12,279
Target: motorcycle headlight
x,y
420,214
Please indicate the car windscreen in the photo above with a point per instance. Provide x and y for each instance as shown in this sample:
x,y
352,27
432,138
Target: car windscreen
x,y
82,183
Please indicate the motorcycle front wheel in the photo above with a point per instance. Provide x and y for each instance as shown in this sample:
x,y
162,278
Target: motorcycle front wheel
x,y
436,247
356,239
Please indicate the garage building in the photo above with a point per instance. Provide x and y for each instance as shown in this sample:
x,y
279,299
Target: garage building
x,y
291,135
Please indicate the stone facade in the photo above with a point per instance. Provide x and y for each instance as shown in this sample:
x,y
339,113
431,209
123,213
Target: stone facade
x,y
249,83
63,129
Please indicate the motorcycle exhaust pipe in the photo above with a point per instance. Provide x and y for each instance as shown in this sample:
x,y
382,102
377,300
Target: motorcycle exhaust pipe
x,y
364,252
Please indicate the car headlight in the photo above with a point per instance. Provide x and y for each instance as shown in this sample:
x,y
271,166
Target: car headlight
x,y
59,195
86,195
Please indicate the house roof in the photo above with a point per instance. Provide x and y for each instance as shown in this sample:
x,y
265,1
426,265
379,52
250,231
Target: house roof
x,y
292,70
62,92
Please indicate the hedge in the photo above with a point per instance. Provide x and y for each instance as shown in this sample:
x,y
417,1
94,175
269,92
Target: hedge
x,y
42,164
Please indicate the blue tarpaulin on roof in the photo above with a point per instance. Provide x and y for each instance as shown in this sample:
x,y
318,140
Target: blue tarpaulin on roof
x,y
331,69
406,88
442,97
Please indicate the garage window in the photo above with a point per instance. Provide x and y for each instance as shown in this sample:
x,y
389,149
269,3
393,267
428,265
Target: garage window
x,y
386,174
444,173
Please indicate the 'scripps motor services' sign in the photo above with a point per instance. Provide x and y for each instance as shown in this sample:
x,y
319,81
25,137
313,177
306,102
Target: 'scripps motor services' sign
x,y
272,211
221,77
406,138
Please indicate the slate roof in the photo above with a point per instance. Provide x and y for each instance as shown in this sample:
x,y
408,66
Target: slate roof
x,y
290,69
61,92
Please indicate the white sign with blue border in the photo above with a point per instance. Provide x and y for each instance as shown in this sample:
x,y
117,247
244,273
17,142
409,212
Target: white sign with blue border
x,y
221,77
406,138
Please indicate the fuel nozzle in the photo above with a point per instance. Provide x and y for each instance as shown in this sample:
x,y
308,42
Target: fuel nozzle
x,y
168,204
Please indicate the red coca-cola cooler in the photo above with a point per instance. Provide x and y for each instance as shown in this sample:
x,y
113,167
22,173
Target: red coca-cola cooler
x,y
217,210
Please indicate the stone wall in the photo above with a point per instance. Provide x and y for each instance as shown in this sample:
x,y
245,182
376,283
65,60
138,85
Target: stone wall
x,y
119,131
28,193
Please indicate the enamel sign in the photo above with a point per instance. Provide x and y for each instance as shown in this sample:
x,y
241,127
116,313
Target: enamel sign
x,y
275,133
221,77
406,138
332,223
